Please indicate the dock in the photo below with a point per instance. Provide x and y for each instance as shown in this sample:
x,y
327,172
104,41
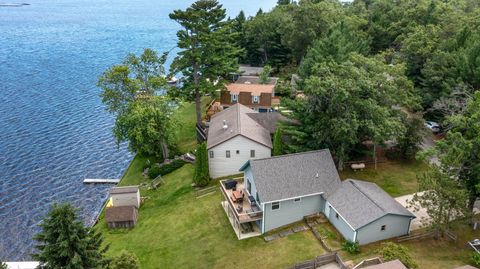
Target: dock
x,y
100,181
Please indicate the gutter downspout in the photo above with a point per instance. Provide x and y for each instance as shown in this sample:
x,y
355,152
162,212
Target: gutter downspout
x,y
263,218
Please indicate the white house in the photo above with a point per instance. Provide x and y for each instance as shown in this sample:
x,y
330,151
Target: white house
x,y
125,196
234,137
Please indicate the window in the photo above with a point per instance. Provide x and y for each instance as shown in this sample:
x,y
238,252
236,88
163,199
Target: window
x,y
252,153
211,154
238,151
227,153
296,200
275,205
336,215
234,97
383,228
256,99
249,186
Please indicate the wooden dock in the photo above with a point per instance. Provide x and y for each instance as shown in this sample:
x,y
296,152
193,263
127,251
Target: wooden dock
x,y
100,181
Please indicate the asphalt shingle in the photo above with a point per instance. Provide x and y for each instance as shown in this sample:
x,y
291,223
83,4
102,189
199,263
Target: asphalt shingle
x,y
294,175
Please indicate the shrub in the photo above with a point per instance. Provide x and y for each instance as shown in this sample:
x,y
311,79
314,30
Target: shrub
x,y
201,176
351,247
3,265
125,260
164,169
391,251
476,259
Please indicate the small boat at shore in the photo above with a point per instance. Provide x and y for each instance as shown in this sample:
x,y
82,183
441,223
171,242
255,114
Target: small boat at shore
x,y
13,4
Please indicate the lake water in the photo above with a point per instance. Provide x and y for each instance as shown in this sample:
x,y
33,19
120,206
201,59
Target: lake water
x,y
54,131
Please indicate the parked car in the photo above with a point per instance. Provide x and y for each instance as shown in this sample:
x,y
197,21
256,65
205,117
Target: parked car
x,y
433,126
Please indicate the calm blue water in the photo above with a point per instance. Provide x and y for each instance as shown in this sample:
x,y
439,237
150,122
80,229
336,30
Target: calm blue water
x,y
54,131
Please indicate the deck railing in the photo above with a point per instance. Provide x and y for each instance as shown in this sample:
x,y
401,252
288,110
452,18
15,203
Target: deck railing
x,y
244,216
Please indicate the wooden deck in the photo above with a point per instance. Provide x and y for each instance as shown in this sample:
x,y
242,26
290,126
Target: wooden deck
x,y
101,180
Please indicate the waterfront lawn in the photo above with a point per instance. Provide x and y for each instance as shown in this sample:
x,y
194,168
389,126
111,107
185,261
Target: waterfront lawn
x,y
177,230
396,178
186,124
430,253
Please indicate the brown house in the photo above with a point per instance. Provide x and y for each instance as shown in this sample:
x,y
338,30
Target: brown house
x,y
248,91
121,217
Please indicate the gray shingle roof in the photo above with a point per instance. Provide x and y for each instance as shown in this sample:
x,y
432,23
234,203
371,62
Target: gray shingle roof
x,y
268,120
295,175
361,202
129,189
238,123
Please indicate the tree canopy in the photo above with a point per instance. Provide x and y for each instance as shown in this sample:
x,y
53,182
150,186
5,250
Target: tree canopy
x,y
64,241
208,47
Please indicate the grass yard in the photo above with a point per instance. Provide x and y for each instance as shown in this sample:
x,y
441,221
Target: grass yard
x,y
396,178
331,237
430,253
177,230
186,125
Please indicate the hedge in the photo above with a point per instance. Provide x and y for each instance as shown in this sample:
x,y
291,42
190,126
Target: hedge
x,y
164,169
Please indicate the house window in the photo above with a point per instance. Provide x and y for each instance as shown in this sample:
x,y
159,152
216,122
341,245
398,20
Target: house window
x,y
211,154
296,200
227,153
383,228
336,215
234,98
275,205
256,99
238,151
252,153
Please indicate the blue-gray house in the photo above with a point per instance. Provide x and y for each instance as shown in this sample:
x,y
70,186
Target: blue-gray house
x,y
281,190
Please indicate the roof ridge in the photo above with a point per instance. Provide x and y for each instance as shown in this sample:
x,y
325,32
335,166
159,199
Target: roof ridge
x,y
368,197
239,126
291,154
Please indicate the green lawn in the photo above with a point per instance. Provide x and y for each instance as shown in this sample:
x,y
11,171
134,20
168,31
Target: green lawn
x,y
331,237
186,121
396,178
431,253
177,230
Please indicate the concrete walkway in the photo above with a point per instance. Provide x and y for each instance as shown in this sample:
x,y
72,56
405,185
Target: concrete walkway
x,y
421,214
332,265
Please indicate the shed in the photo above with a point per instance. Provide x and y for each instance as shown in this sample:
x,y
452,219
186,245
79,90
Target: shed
x,y
125,196
121,217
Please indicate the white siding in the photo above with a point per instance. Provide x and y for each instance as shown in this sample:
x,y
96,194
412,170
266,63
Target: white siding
x,y
220,165
126,199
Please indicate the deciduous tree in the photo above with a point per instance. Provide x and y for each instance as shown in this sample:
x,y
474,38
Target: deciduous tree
x,y
136,77
125,260
442,196
64,241
148,125
350,102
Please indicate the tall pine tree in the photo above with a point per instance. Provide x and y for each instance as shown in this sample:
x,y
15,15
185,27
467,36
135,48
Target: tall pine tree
x,y
208,50
65,242
201,176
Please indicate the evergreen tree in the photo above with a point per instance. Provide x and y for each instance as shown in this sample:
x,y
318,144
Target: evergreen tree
x,y
201,176
208,50
3,265
277,142
65,242
125,260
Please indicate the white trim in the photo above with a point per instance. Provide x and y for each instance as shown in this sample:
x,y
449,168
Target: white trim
x,y
355,236
342,217
301,196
